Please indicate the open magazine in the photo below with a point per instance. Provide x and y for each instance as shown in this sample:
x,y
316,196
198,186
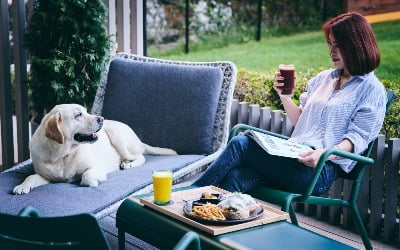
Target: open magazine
x,y
277,146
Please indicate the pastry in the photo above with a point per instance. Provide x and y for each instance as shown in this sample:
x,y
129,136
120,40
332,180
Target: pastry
x,y
237,205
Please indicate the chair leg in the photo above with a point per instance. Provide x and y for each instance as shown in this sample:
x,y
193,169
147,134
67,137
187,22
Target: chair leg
x,y
361,228
288,207
121,239
292,215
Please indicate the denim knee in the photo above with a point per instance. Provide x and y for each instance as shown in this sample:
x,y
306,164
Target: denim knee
x,y
241,180
328,175
240,142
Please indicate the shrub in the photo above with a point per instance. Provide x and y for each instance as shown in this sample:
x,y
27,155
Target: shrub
x,y
69,47
305,13
257,88
391,124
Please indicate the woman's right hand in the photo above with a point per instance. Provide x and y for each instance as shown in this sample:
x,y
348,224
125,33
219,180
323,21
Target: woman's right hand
x,y
278,85
292,110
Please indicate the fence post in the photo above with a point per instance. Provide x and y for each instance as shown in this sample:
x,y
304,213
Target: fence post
x,y
265,118
142,28
7,149
377,183
21,81
187,23
259,20
335,192
243,114
111,20
254,115
234,113
392,185
123,26
287,126
348,222
276,121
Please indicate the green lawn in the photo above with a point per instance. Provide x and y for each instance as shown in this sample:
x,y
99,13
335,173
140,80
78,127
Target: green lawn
x,y
306,50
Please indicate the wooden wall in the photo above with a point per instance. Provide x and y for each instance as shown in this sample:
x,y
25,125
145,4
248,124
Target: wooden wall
x,y
369,7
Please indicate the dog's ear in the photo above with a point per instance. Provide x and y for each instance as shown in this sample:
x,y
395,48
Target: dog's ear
x,y
53,130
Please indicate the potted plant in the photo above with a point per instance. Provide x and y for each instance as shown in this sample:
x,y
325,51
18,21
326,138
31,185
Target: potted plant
x,y
68,47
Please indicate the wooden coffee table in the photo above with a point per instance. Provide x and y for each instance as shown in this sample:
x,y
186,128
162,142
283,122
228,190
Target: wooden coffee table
x,y
163,230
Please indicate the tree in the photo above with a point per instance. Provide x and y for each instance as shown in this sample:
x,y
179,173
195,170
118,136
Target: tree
x,y
68,47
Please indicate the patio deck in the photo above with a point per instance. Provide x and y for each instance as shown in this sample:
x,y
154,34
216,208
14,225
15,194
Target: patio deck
x,y
334,232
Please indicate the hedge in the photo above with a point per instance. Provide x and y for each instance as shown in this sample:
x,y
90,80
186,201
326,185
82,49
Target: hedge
x,y
257,88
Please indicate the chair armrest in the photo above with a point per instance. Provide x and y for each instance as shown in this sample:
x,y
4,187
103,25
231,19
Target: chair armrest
x,y
345,154
28,212
324,157
185,241
242,127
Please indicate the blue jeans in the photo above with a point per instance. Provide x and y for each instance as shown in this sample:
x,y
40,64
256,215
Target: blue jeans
x,y
243,165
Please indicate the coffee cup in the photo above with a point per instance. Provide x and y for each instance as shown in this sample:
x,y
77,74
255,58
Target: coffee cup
x,y
287,72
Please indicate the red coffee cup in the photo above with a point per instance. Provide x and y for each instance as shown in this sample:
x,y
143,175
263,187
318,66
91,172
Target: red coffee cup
x,y
287,72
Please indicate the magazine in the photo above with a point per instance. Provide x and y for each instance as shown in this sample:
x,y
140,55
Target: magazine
x,y
277,146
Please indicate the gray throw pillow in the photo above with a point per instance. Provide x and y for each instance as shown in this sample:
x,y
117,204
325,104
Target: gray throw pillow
x,y
167,105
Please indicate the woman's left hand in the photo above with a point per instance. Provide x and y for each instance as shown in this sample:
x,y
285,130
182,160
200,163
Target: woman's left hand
x,y
311,158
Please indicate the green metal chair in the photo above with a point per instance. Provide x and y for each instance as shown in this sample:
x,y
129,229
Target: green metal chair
x,y
28,230
186,241
285,199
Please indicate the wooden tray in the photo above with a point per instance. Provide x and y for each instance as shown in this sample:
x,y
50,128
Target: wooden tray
x,y
179,198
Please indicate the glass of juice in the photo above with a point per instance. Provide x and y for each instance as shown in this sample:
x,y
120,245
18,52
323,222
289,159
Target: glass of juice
x,y
162,184
287,72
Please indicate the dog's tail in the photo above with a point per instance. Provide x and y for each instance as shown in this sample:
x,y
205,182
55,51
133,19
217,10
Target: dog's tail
x,y
158,151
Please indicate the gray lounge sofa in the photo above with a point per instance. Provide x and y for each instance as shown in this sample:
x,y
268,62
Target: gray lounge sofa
x,y
180,105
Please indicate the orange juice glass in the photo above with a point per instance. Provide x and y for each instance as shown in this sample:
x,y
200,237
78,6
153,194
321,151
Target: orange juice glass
x,y
162,184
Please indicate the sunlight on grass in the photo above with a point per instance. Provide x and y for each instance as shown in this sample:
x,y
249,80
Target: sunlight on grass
x,y
267,54
307,50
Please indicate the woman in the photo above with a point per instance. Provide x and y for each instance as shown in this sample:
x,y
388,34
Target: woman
x,y
342,107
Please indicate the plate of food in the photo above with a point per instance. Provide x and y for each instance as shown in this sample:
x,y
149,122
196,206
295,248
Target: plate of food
x,y
229,208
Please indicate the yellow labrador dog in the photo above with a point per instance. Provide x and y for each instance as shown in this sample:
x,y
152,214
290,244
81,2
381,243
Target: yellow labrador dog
x,y
71,144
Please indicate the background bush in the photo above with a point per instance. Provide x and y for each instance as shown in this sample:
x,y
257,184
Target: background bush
x,y
68,47
257,88
391,125
304,13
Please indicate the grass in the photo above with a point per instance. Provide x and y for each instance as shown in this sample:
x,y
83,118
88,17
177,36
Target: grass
x,y
306,50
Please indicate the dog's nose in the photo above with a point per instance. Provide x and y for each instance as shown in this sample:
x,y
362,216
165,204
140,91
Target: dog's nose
x,y
100,119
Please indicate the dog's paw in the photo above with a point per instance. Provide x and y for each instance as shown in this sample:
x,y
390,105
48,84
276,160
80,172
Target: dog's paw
x,y
130,164
22,189
172,152
89,182
126,164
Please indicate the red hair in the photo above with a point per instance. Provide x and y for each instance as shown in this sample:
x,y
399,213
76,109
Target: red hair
x,y
356,41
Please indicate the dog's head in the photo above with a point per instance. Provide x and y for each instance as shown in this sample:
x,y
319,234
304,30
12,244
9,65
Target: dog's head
x,y
72,123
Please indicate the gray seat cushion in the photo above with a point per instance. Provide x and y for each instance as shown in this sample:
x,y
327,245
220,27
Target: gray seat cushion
x,y
60,199
161,102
